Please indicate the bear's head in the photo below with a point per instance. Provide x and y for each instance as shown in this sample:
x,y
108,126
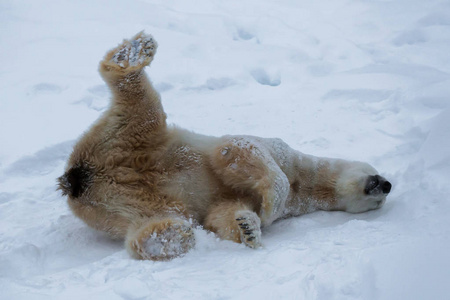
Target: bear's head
x,y
360,188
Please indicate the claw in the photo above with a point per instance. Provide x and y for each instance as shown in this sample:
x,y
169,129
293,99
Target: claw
x,y
250,239
248,231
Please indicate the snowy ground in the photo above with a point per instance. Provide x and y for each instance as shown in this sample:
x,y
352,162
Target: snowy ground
x,y
364,80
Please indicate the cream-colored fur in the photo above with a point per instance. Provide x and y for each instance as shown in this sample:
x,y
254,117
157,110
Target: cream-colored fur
x,y
136,178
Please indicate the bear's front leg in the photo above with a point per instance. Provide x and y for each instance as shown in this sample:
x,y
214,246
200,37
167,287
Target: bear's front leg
x,y
160,239
235,221
245,164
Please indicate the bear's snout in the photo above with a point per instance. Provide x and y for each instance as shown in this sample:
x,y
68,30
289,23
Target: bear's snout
x,y
376,185
386,187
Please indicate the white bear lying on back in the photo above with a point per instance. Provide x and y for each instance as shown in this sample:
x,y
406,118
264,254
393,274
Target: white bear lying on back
x,y
136,178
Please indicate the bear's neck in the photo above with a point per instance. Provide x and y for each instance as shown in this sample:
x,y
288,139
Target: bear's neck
x,y
313,185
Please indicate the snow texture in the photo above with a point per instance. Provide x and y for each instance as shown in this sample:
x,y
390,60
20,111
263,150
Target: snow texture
x,y
354,79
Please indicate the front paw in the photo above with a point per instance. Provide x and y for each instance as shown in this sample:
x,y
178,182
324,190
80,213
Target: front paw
x,y
250,228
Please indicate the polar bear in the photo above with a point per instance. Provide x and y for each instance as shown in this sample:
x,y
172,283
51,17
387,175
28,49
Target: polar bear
x,y
134,177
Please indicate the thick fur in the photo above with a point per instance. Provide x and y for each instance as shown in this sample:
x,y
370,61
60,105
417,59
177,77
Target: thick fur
x,y
136,178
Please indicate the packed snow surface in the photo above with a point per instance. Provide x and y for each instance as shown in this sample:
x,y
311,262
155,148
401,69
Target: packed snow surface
x,y
353,79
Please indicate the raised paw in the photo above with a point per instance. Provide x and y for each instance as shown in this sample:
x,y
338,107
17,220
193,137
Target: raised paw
x,y
250,228
133,54
162,240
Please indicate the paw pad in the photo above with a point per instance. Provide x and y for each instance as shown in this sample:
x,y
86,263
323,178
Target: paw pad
x,y
139,51
170,242
250,228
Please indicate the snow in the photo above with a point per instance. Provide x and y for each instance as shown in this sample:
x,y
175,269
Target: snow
x,y
353,79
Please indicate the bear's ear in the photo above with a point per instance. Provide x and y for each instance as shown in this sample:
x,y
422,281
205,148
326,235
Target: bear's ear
x,y
75,181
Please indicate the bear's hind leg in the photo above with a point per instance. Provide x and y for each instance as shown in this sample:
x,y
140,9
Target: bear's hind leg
x,y
130,56
136,107
235,221
160,239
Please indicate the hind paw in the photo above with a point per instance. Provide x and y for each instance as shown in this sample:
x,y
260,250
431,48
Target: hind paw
x,y
132,54
163,240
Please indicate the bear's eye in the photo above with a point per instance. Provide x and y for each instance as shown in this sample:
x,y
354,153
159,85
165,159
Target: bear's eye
x,y
372,183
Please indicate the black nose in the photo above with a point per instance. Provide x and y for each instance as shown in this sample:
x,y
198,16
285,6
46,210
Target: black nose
x,y
386,187
376,185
